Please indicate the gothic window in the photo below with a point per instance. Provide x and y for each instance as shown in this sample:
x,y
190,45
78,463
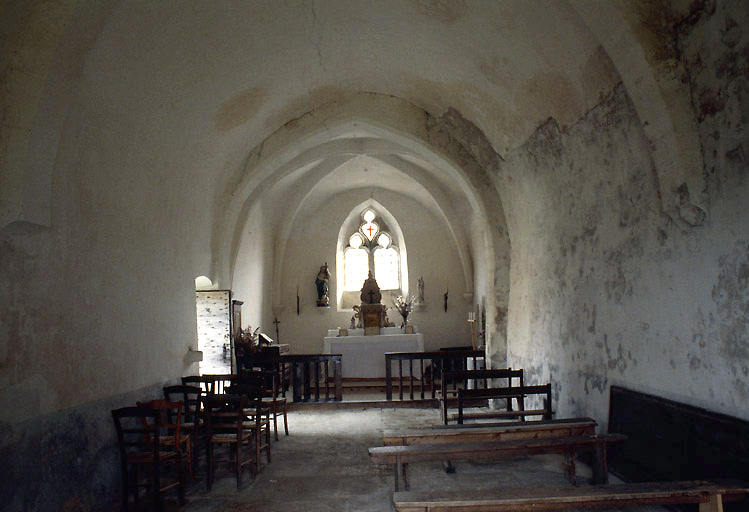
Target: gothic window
x,y
386,264
371,249
356,262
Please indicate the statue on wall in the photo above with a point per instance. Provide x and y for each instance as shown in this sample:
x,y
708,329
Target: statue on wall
x,y
420,287
321,281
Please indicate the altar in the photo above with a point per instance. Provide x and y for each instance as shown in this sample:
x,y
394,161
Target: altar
x,y
364,356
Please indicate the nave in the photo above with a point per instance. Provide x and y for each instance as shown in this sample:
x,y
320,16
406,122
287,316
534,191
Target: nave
x,y
323,466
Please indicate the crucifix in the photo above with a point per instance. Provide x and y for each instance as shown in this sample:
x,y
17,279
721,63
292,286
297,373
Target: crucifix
x,y
370,229
447,290
277,321
371,296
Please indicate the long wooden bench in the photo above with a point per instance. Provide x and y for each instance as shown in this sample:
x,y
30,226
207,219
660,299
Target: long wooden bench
x,y
466,396
709,495
478,379
509,431
401,456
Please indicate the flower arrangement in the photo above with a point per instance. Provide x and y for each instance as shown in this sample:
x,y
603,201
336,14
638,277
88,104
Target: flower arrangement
x,y
404,305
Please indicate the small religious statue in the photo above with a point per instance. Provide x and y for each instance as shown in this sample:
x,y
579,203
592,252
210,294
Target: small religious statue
x,y
418,304
321,281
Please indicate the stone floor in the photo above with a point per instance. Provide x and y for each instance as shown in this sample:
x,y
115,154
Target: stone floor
x,y
323,466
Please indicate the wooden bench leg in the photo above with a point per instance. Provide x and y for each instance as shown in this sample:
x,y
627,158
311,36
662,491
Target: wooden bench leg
x,y
400,472
600,465
570,472
715,504
396,470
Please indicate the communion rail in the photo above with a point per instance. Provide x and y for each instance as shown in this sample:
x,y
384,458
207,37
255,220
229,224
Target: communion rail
x,y
313,372
431,366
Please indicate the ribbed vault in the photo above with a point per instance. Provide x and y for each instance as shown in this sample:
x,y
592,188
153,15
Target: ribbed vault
x,y
368,143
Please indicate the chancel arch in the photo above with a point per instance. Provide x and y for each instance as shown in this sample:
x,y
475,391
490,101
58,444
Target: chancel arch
x,y
304,165
365,124
294,163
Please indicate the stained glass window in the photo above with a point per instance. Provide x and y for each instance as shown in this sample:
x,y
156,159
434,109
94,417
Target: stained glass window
x,y
370,249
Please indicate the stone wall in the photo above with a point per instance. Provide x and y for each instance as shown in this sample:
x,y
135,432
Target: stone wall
x,y
66,460
606,289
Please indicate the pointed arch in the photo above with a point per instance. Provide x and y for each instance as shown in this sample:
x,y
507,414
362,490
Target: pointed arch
x,y
351,224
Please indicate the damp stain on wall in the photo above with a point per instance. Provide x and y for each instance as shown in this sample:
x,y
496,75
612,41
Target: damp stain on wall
x,y
240,109
731,296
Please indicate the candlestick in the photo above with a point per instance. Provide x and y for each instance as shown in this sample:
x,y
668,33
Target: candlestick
x,y
471,319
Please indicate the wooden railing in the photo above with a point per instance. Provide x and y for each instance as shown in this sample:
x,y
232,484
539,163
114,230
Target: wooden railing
x,y
429,373
313,373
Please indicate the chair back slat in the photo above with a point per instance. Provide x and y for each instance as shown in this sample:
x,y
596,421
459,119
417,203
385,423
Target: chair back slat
x,y
190,397
137,432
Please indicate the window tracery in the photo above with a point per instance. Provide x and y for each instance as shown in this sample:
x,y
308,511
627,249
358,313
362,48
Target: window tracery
x,y
371,249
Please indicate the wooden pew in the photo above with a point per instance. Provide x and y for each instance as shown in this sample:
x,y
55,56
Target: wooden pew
x,y
480,378
497,432
468,395
401,456
709,495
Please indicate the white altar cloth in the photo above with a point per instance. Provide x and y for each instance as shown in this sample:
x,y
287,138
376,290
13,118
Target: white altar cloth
x,y
364,356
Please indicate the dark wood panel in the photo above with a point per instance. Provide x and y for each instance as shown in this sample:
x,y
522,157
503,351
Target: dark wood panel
x,y
668,440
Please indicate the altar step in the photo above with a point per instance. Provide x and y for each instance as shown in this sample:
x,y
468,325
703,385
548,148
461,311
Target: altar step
x,y
352,385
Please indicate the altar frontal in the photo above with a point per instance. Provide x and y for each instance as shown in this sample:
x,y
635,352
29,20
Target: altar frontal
x,y
370,336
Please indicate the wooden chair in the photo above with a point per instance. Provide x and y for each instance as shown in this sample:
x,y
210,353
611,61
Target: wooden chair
x,y
268,362
193,422
138,439
211,384
171,435
259,412
228,424
217,384
196,381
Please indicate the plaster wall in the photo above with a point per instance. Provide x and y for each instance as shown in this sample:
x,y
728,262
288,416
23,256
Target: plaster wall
x,y
98,308
429,255
109,281
251,283
605,289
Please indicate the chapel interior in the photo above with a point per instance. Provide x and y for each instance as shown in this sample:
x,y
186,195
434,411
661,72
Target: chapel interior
x,y
570,174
